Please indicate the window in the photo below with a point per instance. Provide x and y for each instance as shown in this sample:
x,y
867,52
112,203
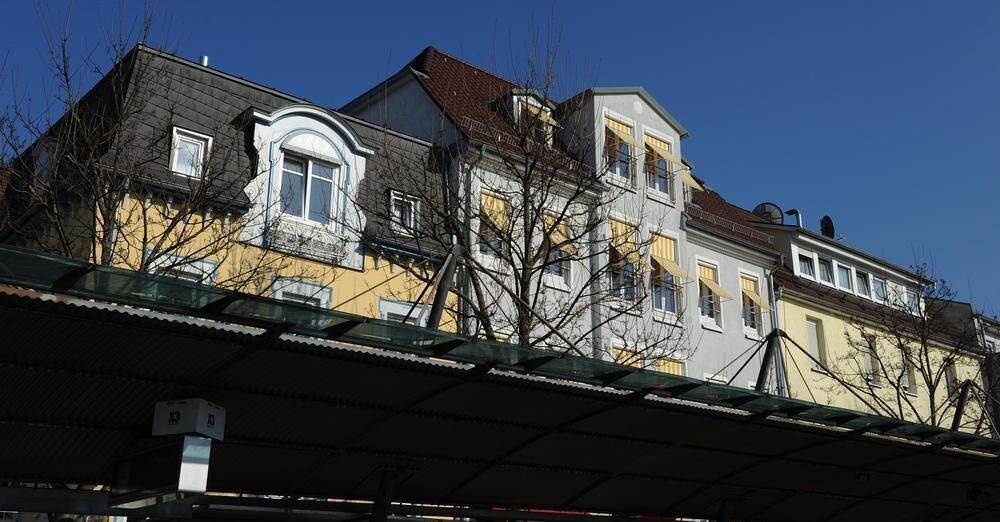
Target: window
x,y
753,304
665,276
869,359
307,189
624,259
188,153
864,287
536,122
806,266
301,292
403,210
879,289
670,365
826,270
990,346
558,251
950,378
912,301
817,345
190,270
658,166
402,312
627,357
619,146
907,379
844,277
710,294
494,221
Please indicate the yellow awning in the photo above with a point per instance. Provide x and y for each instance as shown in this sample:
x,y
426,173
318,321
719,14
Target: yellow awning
x,y
715,288
661,147
707,274
495,209
749,287
624,135
542,115
670,266
558,236
689,180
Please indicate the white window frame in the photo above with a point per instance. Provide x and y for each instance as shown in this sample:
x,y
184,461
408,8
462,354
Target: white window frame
x,y
549,129
202,140
309,160
554,281
670,198
798,265
833,271
885,285
753,333
613,177
305,289
401,308
414,202
710,323
820,348
637,284
666,316
857,287
202,268
850,279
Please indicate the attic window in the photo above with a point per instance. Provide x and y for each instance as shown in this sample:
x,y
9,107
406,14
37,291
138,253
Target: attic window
x,y
188,152
536,122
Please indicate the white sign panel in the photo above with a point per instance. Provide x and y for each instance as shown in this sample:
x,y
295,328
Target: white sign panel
x,y
189,416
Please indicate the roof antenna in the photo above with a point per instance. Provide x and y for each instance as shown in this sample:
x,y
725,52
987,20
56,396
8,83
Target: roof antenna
x,y
798,216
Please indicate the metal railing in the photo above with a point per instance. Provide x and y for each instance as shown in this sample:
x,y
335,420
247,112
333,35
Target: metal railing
x,y
720,221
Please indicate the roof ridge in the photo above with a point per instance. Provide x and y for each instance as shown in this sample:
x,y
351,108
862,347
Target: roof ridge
x,y
422,63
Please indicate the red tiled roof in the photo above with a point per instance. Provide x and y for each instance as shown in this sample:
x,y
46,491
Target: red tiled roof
x,y
464,92
718,214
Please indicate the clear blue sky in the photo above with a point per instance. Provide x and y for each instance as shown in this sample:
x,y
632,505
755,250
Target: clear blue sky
x,y
881,114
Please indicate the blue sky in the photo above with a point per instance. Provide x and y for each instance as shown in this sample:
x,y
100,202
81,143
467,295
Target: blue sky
x,y
880,114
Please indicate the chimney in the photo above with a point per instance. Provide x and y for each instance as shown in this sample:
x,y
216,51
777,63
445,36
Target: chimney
x,y
204,61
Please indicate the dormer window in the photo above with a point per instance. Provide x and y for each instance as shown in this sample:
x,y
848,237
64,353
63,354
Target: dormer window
x,y
188,152
536,121
307,189
659,169
619,148
404,212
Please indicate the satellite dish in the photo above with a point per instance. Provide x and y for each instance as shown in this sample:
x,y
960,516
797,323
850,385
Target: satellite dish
x,y
770,212
826,227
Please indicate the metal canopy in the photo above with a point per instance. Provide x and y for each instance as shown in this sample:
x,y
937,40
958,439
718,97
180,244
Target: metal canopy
x,y
320,403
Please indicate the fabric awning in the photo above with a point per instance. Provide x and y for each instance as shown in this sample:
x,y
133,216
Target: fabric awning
x,y
542,115
689,180
558,236
749,288
495,209
715,288
663,152
624,136
670,266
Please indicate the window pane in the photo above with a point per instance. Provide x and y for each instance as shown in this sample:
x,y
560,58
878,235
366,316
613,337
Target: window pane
x,y
187,157
911,301
844,274
322,171
806,266
862,279
815,348
293,191
319,200
879,287
826,270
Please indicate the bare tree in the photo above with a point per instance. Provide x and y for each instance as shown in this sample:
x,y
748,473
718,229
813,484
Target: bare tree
x,y
909,358
102,175
538,262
